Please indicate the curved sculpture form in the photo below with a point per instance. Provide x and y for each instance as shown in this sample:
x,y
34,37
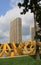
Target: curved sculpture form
x,y
20,48
12,54
33,43
40,44
40,47
14,48
1,46
3,50
7,49
30,48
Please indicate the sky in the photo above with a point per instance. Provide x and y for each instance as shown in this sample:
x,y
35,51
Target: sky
x,y
8,12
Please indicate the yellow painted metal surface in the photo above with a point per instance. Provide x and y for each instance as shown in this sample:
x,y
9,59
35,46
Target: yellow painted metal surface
x,y
28,48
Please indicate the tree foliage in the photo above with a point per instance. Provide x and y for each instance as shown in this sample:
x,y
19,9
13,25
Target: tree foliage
x,y
35,7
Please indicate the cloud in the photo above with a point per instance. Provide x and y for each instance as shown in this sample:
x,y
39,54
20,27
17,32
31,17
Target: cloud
x,y
4,36
26,37
5,20
14,3
26,30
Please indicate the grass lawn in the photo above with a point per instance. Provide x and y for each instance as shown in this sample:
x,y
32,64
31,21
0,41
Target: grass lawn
x,y
25,60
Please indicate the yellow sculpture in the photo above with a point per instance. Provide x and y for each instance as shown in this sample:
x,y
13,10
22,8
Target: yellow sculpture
x,y
28,48
14,47
1,46
9,50
39,47
20,48
3,50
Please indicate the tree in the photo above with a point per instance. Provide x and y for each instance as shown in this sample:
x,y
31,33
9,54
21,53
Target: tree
x,y
35,7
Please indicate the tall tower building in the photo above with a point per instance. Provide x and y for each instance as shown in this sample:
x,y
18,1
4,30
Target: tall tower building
x,y
32,33
16,30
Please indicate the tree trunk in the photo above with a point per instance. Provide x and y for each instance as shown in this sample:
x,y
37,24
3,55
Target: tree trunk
x,y
37,46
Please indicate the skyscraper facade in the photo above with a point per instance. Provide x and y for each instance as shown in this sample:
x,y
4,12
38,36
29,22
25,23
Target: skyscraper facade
x,y
16,30
32,33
